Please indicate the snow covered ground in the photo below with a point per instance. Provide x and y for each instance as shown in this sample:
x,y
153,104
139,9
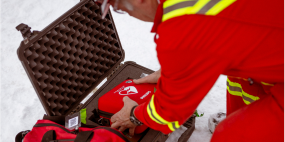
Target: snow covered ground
x,y
20,107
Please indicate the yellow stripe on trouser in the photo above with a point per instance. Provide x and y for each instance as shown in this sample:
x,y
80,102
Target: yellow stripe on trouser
x,y
268,84
158,119
236,89
205,7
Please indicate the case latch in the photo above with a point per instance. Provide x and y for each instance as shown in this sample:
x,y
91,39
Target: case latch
x,y
26,32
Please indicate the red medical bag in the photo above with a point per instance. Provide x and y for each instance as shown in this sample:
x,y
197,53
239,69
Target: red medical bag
x,y
49,131
112,102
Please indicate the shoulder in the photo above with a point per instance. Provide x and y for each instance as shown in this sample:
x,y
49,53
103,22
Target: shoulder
x,y
246,11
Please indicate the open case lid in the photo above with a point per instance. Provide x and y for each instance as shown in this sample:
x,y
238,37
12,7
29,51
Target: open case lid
x,y
71,56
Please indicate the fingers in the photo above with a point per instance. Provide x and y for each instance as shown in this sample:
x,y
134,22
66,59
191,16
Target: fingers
x,y
122,128
152,78
141,80
126,99
114,118
116,125
128,104
132,131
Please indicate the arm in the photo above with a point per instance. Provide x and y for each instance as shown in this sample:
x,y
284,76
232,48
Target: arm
x,y
191,61
189,68
180,90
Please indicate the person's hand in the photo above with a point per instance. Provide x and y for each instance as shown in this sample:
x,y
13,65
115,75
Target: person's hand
x,y
152,78
121,119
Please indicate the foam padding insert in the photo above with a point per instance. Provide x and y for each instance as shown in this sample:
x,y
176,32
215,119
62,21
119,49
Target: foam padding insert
x,y
71,56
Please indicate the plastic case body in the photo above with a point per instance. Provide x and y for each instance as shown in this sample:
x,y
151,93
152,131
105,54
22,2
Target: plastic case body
x,y
112,102
70,57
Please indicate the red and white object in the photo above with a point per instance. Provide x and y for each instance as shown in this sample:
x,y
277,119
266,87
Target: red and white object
x,y
49,131
112,102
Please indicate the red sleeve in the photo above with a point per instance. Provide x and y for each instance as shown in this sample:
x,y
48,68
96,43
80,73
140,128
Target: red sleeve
x,y
189,68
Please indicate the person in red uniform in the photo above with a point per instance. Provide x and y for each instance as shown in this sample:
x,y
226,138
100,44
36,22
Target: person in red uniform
x,y
197,41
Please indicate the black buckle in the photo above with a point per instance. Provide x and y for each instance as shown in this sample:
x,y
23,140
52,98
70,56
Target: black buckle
x,y
25,133
26,32
104,122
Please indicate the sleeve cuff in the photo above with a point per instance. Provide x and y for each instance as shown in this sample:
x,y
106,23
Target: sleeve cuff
x,y
141,114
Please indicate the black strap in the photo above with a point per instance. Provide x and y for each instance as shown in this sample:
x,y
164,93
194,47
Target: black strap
x,y
57,119
49,136
20,136
90,126
85,136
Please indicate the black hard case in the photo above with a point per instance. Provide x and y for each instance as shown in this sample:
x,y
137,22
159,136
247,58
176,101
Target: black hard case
x,y
70,57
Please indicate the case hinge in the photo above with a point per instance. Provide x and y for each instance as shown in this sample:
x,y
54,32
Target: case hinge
x,y
26,32
114,71
77,109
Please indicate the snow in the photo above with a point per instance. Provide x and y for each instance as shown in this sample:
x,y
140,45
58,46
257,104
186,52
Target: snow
x,y
20,106
215,119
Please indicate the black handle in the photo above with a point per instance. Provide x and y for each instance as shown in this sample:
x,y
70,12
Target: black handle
x,y
20,136
49,136
85,136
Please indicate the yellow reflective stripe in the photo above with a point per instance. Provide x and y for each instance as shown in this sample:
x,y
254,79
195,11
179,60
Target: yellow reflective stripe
x,y
246,102
238,94
236,89
152,117
219,7
172,2
183,11
177,124
214,8
238,78
158,119
249,96
235,93
268,84
242,93
155,113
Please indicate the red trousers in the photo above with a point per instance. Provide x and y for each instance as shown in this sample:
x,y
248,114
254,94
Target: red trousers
x,y
259,120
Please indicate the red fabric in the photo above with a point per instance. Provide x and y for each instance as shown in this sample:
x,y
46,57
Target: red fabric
x,y
244,40
261,121
112,101
158,16
100,135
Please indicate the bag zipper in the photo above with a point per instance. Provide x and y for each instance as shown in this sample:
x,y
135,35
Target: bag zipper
x,y
105,114
106,128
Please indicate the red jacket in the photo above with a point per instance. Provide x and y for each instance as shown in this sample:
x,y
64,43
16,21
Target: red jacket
x,y
243,40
